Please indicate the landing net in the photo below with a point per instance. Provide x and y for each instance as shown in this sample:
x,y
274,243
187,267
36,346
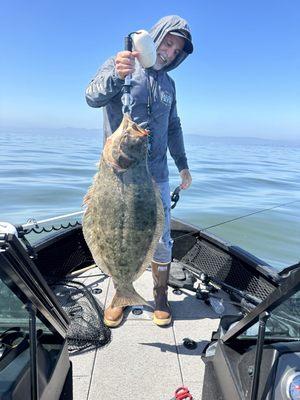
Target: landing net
x,y
86,330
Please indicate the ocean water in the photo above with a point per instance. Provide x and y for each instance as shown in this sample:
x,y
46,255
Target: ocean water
x,y
46,173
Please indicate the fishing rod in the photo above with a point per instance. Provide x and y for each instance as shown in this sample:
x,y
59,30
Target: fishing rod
x,y
237,218
32,223
252,213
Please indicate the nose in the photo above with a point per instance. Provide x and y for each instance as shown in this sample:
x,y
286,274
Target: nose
x,y
171,52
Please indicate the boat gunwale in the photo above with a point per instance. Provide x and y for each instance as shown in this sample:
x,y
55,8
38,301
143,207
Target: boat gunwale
x,y
249,260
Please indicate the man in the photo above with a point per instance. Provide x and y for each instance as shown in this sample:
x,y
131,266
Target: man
x,y
154,108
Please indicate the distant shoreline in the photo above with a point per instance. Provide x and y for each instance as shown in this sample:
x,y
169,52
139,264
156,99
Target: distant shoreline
x,y
189,138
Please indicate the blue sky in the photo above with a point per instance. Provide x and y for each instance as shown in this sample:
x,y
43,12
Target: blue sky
x,y
242,80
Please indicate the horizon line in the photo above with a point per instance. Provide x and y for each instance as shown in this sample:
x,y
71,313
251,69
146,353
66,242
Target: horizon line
x,y
100,130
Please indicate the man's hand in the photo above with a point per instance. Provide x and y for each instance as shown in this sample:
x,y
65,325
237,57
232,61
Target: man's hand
x,y
125,61
186,178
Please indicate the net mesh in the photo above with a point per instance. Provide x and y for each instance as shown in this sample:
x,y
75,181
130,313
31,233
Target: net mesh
x,y
86,330
216,263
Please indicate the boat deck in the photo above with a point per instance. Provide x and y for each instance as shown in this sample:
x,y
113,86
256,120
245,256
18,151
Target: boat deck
x,y
144,361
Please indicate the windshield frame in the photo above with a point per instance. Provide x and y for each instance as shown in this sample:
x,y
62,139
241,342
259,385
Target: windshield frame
x,y
290,285
20,274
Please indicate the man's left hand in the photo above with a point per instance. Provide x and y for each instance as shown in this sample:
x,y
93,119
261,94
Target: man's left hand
x,y
186,178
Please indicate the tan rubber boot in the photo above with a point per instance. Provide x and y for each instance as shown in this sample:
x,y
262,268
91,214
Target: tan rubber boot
x,y
162,313
113,316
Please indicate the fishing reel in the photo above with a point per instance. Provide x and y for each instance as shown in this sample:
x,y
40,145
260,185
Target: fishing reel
x,y
175,197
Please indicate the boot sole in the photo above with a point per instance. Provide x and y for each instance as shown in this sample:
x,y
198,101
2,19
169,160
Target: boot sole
x,y
112,324
162,322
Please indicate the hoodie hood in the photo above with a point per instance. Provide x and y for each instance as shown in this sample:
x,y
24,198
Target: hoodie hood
x,y
168,24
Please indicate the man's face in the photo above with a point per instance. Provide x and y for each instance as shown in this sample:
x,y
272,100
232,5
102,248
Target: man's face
x,y
169,49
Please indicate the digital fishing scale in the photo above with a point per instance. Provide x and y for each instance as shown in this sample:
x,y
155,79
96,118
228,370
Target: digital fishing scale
x,y
143,43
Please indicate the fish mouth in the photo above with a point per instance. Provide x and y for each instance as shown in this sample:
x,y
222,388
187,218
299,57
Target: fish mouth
x,y
138,131
133,127
128,146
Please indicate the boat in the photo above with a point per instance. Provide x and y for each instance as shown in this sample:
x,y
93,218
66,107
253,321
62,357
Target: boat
x,y
235,334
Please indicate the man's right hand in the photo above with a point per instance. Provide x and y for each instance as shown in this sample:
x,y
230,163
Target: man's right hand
x,y
125,63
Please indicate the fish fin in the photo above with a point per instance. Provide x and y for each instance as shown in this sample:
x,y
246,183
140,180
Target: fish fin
x,y
100,264
91,189
88,196
127,297
91,241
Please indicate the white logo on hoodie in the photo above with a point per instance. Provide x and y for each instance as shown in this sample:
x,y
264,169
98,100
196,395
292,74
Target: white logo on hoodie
x,y
166,98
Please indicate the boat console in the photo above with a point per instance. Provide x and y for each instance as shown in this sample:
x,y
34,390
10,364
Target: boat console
x,y
258,356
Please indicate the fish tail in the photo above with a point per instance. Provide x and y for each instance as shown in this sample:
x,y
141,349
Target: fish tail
x,y
127,297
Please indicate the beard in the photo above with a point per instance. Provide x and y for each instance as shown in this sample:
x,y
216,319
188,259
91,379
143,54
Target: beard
x,y
158,66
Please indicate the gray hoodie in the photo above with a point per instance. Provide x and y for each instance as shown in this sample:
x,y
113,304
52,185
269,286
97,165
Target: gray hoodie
x,y
154,103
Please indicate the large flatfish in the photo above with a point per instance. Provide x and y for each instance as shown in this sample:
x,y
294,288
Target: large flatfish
x,y
124,217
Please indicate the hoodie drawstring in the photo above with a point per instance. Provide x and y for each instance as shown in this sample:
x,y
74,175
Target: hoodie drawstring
x,y
149,109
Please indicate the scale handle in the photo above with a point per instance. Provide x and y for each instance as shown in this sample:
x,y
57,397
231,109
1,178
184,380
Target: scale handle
x,y
128,47
128,43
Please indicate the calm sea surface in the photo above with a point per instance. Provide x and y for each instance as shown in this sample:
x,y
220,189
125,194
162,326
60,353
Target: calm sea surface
x,y
45,174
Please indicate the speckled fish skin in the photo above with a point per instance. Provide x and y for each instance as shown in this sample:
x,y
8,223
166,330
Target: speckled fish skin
x,y
124,217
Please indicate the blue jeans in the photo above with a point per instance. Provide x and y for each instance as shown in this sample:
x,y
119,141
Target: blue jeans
x,y
163,252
